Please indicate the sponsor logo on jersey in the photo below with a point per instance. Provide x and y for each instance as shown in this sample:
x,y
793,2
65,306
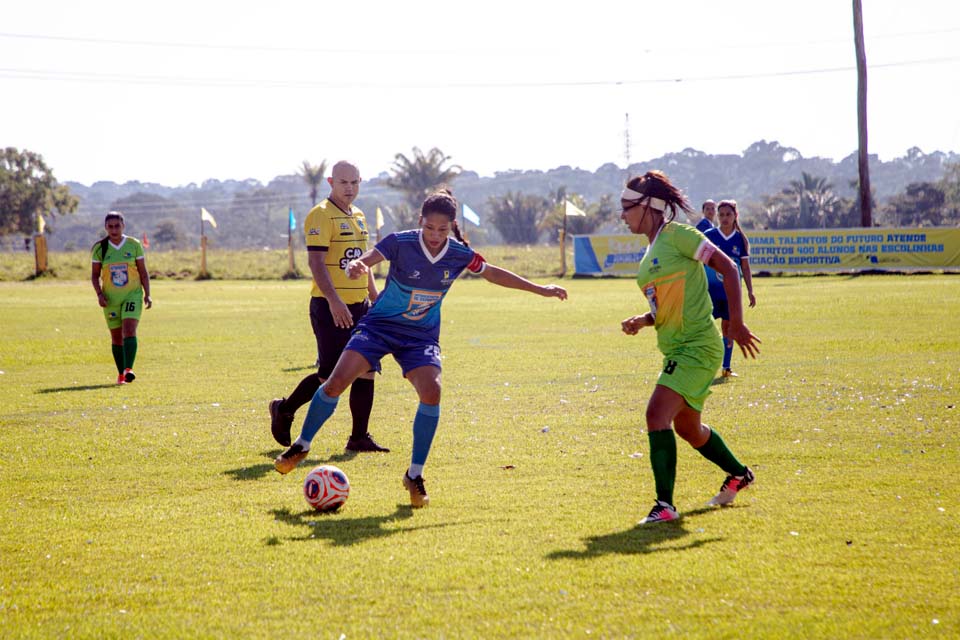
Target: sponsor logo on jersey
x,y
446,277
415,275
360,224
118,275
313,232
344,226
420,303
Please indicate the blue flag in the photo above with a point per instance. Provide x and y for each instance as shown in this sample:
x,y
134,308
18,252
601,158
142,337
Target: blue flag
x,y
293,221
471,215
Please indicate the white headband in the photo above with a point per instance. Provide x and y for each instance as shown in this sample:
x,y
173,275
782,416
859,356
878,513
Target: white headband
x,y
653,203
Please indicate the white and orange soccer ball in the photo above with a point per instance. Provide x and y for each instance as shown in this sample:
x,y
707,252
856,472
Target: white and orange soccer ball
x,y
326,488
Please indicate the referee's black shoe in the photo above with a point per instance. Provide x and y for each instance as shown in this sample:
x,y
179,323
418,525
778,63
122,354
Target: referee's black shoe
x,y
280,422
365,443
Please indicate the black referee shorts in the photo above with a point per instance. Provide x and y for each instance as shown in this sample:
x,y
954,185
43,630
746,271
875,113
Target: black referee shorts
x,y
331,339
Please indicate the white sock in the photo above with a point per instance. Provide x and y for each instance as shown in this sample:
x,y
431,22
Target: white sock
x,y
415,470
303,443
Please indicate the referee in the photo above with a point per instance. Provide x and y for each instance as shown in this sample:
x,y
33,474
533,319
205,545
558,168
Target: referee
x,y
336,233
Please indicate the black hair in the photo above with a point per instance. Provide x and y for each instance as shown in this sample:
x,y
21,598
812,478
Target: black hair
x,y
442,201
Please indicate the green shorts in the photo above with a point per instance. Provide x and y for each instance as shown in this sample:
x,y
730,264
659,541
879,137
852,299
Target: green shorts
x,y
129,307
691,372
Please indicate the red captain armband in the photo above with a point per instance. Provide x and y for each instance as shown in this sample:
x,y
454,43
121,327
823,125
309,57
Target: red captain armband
x,y
477,264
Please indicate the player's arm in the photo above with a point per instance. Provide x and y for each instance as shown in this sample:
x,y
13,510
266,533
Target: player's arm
x,y
316,259
95,279
748,280
737,330
144,281
510,280
745,268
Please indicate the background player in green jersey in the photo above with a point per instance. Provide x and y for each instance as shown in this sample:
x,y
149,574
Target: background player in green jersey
x,y
120,279
672,278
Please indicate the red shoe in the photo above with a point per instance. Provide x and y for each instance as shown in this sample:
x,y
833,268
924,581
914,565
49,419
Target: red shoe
x,y
121,379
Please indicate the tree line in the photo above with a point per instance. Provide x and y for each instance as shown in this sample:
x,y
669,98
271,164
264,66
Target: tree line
x,y
776,186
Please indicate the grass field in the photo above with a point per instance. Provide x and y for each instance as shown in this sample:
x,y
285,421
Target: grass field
x,y
152,510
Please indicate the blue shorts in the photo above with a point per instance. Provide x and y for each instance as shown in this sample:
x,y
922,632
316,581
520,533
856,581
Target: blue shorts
x,y
374,342
719,298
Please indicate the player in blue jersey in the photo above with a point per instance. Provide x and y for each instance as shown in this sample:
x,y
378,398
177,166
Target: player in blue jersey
x,y
730,239
709,211
405,322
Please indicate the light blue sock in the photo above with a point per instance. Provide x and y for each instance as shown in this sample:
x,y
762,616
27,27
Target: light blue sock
x,y
727,352
321,408
424,427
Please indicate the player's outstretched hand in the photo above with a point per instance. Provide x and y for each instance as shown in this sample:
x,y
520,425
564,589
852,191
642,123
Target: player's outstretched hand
x,y
356,268
553,291
749,343
632,325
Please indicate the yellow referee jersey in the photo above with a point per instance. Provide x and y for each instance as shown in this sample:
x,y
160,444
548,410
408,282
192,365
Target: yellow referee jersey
x,y
343,235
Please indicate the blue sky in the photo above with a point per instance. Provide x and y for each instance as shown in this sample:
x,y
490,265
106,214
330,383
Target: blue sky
x,y
185,91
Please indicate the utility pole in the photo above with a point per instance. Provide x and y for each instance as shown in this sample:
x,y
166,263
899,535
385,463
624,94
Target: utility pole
x,y
863,158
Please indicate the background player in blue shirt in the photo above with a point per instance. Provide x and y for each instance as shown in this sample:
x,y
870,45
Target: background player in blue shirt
x,y
405,322
730,239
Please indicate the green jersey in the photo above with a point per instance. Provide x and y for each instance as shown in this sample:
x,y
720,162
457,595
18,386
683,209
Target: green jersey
x,y
671,276
119,276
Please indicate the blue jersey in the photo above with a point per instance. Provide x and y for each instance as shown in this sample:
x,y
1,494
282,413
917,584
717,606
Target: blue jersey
x,y
735,247
704,225
417,283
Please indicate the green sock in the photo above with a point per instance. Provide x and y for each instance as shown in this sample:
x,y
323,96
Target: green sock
x,y
118,356
663,458
129,351
716,451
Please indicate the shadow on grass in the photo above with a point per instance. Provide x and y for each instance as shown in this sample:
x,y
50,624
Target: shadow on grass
x,y
345,531
309,367
88,387
638,540
257,471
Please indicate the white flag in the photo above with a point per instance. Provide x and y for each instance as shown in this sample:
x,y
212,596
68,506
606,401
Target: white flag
x,y
208,217
471,215
571,209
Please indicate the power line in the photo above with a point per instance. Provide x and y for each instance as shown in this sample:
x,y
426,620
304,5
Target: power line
x,y
395,51
224,82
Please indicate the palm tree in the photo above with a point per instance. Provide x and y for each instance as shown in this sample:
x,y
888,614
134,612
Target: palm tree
x,y
813,199
517,216
313,175
417,176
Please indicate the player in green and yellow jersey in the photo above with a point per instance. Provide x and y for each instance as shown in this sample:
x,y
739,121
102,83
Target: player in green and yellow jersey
x,y
672,278
336,233
120,279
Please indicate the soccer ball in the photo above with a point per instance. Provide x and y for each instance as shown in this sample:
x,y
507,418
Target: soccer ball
x,y
326,488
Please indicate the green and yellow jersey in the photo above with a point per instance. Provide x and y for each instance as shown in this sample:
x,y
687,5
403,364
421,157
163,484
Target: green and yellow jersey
x,y
672,278
343,235
119,276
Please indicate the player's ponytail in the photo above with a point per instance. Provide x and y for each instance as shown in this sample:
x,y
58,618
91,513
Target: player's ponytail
x,y
656,185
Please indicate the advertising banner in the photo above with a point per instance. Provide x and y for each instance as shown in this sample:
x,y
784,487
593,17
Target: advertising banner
x,y
795,251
